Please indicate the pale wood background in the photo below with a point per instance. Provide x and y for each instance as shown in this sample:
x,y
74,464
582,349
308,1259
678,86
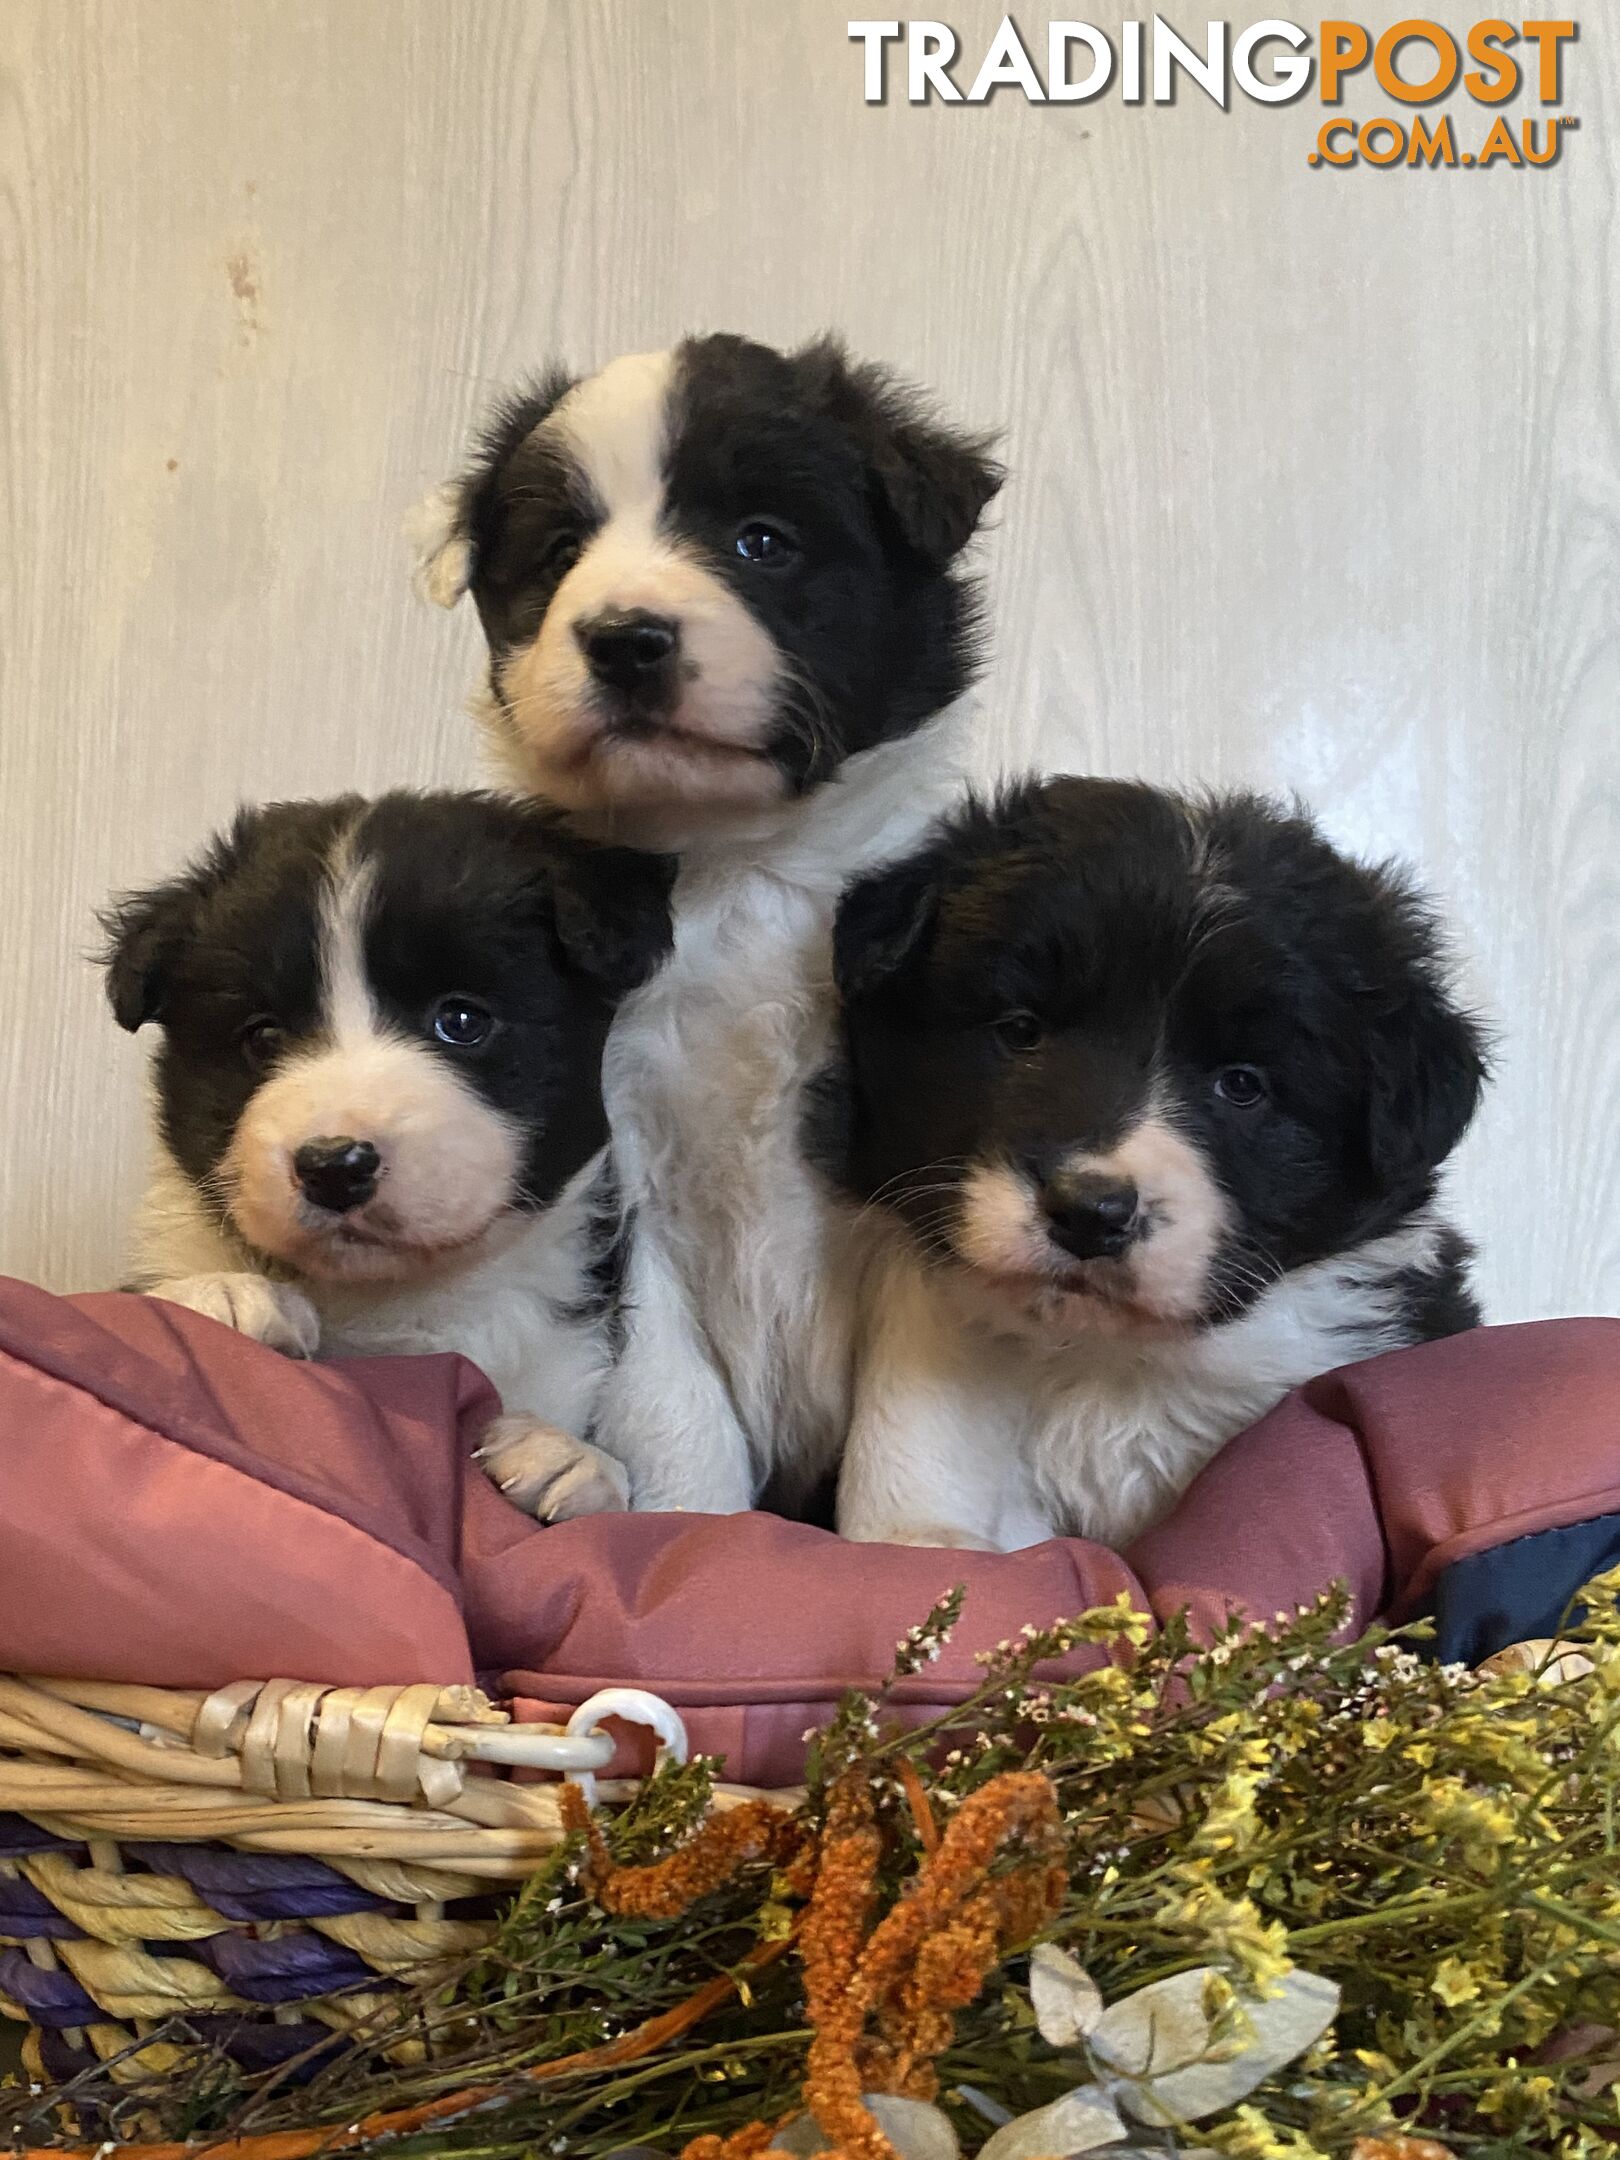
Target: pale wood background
x,y
1316,476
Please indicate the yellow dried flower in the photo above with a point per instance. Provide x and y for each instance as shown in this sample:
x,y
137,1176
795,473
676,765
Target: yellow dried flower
x,y
1232,1928
1229,1821
1454,1983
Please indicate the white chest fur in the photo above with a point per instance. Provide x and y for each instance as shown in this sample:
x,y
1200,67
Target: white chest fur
x,y
743,1272
968,1433
521,1311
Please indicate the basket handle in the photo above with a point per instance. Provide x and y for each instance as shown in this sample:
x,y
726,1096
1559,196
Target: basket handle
x,y
581,1748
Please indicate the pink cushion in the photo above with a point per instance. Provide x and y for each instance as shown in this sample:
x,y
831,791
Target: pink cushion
x,y
183,1507
180,1506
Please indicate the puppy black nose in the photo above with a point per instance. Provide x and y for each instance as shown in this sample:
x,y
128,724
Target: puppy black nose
x,y
337,1174
1089,1214
628,650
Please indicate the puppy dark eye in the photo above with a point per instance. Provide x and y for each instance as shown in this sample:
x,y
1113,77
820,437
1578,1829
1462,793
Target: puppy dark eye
x,y
1241,1085
563,553
1018,1031
462,1022
260,1042
769,546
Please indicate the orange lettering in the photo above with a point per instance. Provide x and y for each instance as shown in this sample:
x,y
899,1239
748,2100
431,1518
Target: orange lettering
x,y
1547,37
1431,149
1345,46
1368,139
1415,29
1498,77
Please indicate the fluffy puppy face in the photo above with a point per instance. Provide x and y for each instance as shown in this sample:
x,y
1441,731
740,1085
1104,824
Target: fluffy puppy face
x,y
383,1023
1126,1059
709,575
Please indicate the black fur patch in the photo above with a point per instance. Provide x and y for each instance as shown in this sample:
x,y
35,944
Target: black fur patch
x,y
1145,945
520,499
1438,1300
232,940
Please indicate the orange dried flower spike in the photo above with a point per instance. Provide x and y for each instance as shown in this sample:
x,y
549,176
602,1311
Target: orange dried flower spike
x,y
712,1856
929,1955
882,2000
845,1882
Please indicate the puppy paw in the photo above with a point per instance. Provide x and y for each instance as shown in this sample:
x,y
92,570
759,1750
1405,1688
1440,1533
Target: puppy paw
x,y
272,1313
548,1473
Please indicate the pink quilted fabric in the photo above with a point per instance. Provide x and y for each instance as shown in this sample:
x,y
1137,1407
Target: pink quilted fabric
x,y
182,1507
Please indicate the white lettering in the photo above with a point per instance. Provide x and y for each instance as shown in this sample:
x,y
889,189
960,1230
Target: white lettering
x,y
1059,37
930,49
1007,62
1207,70
1290,73
1130,86
873,36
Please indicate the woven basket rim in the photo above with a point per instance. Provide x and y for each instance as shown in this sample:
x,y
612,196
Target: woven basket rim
x,y
415,1774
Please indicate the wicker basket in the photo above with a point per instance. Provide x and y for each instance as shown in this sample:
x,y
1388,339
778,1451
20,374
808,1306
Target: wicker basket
x,y
269,1861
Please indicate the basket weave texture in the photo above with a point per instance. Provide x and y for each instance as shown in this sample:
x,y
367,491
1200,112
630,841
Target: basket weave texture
x,y
268,1861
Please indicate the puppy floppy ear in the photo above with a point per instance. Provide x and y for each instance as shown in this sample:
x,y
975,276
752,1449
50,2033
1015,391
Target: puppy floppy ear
x,y
883,921
611,908
146,934
934,481
445,527
1427,1060
441,545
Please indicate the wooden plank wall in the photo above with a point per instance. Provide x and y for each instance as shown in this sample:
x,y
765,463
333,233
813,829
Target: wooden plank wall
x,y
1315,473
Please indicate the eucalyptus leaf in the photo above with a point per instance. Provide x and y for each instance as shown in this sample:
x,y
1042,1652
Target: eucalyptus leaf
x,y
1068,2002
916,2130
1159,2037
982,2104
1080,2122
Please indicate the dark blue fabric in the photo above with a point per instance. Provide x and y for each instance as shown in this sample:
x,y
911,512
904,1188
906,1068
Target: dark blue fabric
x,y
1520,1589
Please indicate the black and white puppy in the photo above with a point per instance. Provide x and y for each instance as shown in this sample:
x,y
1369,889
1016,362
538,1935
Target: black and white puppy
x,y
379,1102
1154,1091
721,590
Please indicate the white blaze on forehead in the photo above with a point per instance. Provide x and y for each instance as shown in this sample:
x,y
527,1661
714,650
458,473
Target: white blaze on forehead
x,y
348,1012
615,426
